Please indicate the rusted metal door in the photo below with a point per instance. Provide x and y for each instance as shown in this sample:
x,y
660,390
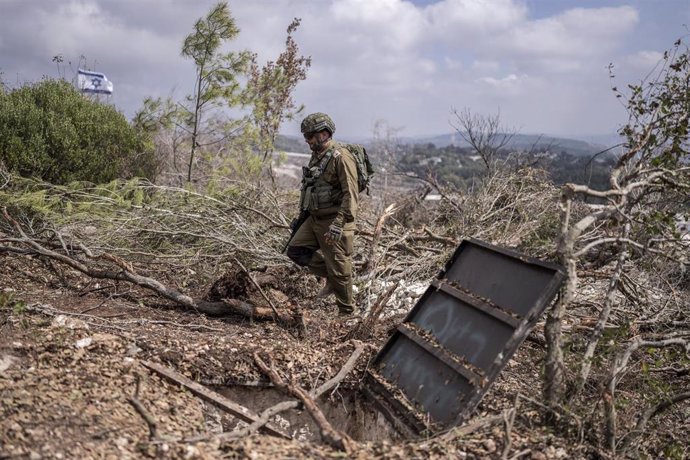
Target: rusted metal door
x,y
450,348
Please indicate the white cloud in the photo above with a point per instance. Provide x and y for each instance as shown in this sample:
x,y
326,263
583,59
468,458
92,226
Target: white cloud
x,y
382,24
371,59
643,61
509,82
451,19
563,42
482,65
452,64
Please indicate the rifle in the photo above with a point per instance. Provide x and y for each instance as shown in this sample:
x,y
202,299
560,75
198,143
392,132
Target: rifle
x,y
296,224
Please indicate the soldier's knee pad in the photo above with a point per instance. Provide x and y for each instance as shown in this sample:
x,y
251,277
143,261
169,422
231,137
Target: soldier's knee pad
x,y
300,255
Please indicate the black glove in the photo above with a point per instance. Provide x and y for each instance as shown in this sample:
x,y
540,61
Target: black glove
x,y
334,234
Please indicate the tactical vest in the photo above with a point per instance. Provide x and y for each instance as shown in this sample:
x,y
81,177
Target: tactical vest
x,y
316,193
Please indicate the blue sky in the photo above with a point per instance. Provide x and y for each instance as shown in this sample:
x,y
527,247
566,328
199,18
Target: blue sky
x,y
541,63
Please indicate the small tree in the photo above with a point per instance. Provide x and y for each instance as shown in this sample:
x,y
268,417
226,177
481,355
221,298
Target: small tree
x,y
633,219
270,90
484,133
164,122
216,84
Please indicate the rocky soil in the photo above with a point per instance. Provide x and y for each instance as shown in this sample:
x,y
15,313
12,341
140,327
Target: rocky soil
x,y
71,358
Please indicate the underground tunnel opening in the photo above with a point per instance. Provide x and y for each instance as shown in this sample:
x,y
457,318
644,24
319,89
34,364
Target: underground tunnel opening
x,y
348,411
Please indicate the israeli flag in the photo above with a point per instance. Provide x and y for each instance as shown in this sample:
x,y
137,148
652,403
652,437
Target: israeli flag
x,y
94,82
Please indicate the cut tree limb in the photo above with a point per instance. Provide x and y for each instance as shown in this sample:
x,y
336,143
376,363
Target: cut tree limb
x,y
363,329
329,434
286,405
212,397
126,272
145,414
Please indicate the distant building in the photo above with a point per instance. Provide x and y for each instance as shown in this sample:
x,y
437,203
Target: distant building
x,y
433,161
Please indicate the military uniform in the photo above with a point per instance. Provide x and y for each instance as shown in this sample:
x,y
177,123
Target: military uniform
x,y
330,194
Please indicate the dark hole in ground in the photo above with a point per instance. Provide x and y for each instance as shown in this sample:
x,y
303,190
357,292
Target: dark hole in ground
x,y
347,410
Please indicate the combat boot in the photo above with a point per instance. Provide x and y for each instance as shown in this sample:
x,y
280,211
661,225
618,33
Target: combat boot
x,y
326,291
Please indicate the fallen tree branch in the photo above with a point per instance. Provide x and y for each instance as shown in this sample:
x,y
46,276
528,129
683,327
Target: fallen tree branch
x,y
286,405
258,286
127,273
363,330
145,414
329,434
648,414
469,428
212,397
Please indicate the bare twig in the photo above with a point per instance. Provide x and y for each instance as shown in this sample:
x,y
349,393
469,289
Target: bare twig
x,y
508,421
261,291
285,405
648,414
331,436
145,414
619,366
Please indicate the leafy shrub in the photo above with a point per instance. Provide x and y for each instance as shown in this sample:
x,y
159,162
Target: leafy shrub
x,y
48,130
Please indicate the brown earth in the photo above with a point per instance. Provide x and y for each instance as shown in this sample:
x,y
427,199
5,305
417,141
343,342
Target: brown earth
x,y
70,360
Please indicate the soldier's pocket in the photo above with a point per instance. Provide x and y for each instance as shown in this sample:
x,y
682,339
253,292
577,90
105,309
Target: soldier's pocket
x,y
348,242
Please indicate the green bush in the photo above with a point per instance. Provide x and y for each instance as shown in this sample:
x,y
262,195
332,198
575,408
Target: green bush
x,y
48,130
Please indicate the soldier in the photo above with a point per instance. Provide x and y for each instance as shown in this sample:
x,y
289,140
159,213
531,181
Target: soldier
x,y
329,193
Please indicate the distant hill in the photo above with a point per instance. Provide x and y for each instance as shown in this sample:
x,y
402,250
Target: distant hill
x,y
566,160
581,146
527,142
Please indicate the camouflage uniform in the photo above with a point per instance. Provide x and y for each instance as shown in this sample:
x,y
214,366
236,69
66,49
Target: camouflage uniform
x,y
330,195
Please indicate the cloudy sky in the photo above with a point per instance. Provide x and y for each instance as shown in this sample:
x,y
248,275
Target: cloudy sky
x,y
542,63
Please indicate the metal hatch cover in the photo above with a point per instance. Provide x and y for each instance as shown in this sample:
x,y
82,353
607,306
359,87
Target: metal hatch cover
x,y
444,356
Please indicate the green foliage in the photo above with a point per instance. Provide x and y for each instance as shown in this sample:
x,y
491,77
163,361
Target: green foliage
x,y
197,139
674,451
460,167
76,201
217,74
7,301
659,128
269,90
48,130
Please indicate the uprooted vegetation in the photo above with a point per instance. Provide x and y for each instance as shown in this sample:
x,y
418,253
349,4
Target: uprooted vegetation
x,y
102,284
57,318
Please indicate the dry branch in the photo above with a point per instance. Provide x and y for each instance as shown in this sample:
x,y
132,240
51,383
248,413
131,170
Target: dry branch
x,y
648,414
258,286
212,397
508,421
363,329
598,331
145,414
371,259
331,436
286,405
619,366
125,272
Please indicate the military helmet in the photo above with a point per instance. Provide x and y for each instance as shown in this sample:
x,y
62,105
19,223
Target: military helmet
x,y
316,122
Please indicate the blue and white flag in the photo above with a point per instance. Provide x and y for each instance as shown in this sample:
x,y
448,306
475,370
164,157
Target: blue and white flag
x,y
94,82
